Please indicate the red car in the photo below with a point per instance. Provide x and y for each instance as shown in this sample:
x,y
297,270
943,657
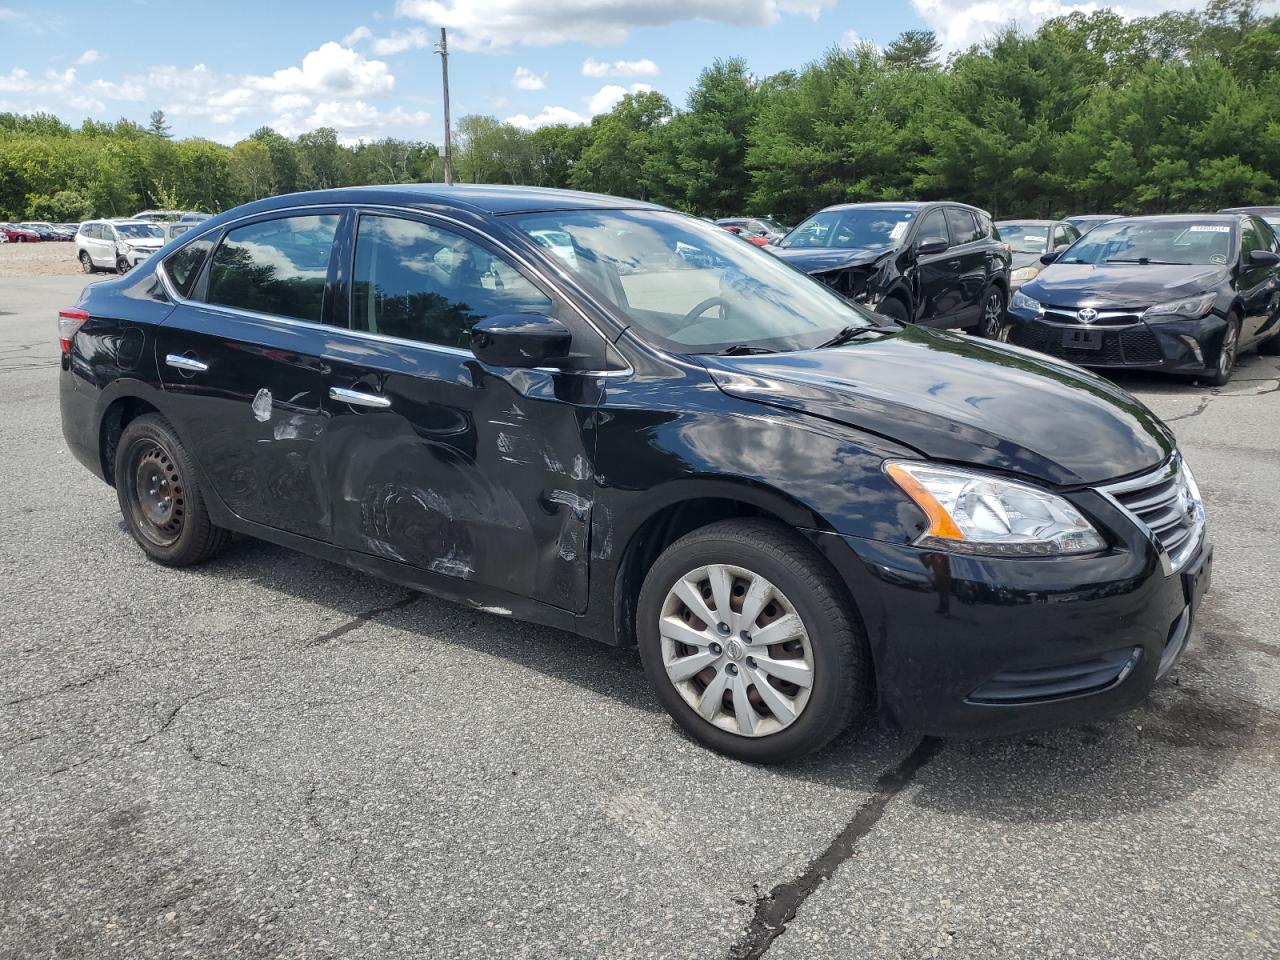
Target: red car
x,y
752,238
15,234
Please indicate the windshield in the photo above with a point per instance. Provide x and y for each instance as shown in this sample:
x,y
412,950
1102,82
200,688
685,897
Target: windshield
x,y
138,231
688,285
853,228
1176,241
1025,237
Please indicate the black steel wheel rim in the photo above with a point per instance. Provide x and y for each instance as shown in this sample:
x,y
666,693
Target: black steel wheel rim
x,y
156,494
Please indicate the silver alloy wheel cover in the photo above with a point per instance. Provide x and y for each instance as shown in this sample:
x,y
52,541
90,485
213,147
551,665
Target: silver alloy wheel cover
x,y
1226,356
991,316
744,662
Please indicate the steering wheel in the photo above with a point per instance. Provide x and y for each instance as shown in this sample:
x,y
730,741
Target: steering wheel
x,y
701,308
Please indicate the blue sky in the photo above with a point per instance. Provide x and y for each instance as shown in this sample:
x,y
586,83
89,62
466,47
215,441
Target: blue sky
x,y
220,70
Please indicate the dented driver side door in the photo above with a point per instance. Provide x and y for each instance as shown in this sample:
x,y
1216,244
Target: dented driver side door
x,y
437,461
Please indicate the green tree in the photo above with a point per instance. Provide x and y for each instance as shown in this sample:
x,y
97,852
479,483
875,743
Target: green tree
x,y
913,49
616,160
159,126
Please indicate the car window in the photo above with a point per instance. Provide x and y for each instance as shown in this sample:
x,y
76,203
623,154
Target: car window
x,y
275,266
869,228
1165,240
963,227
183,266
418,282
1251,239
933,227
984,225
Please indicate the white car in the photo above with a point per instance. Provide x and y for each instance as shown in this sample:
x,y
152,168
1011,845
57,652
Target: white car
x,y
118,245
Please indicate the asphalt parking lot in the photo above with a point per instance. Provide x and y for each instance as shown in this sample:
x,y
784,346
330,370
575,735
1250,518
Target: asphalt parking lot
x,y
272,756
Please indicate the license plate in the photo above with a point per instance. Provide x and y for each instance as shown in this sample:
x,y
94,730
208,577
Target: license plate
x,y
1082,339
1196,579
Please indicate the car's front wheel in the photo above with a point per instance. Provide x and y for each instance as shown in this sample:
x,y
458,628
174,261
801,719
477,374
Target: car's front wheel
x,y
122,265
1227,353
894,309
751,642
160,497
86,262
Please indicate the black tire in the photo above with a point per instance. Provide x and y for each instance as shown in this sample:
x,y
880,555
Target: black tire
x,y
86,262
122,266
991,316
841,672
894,309
1270,347
1227,353
150,459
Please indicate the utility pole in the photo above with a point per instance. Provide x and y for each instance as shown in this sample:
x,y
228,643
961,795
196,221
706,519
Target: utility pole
x,y
448,133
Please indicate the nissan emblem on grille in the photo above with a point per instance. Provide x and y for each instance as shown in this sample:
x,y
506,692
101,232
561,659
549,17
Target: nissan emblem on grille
x,y
1087,315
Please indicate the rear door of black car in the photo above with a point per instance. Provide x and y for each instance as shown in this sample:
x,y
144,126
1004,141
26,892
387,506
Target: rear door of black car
x,y
468,472
240,357
970,256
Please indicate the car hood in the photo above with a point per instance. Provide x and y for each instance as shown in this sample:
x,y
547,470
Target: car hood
x,y
150,243
1017,259
822,259
1120,285
967,401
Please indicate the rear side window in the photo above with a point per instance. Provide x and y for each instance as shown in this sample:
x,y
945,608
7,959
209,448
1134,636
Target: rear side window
x,y
275,266
183,266
963,227
418,282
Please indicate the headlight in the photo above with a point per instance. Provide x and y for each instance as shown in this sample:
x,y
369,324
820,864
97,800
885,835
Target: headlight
x,y
1024,275
1192,308
1021,301
974,513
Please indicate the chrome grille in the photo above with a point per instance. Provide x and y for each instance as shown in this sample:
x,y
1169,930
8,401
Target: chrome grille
x,y
1166,503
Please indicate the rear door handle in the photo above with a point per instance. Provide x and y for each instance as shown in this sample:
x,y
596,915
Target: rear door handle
x,y
186,363
359,399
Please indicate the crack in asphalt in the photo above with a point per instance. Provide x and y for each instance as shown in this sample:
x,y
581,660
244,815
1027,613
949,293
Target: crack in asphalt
x,y
779,908
75,684
360,619
168,720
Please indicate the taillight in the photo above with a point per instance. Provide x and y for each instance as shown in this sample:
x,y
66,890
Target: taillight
x,y
69,321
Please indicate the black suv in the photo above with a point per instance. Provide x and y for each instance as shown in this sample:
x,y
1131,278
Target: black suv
x,y
937,264
625,422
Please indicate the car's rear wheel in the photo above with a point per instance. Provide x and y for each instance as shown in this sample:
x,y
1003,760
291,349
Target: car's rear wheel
x,y
751,643
160,497
122,265
1227,353
1270,347
894,309
991,321
86,262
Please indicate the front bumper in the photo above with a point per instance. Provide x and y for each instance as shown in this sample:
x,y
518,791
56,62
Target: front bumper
x,y
136,255
1174,345
976,646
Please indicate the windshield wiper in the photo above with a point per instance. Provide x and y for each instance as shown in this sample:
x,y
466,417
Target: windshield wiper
x,y
1146,261
852,333
742,350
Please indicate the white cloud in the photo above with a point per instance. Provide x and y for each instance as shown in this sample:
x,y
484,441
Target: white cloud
x,y
961,23
548,116
611,94
330,70
600,69
355,36
526,79
356,119
287,102
413,39
494,24
88,57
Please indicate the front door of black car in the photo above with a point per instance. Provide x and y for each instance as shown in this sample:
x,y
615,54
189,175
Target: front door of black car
x,y
1256,283
936,291
436,460
240,363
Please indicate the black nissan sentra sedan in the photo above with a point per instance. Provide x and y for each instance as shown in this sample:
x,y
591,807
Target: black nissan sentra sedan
x,y
1183,294
624,422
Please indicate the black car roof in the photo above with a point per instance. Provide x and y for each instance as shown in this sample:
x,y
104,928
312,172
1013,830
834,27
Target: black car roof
x,y
1038,223
904,205
1250,210
490,199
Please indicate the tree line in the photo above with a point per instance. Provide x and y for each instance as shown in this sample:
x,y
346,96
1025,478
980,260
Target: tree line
x,y
1090,113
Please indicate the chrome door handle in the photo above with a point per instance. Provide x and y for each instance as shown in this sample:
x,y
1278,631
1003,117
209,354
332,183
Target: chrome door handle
x,y
358,399
186,363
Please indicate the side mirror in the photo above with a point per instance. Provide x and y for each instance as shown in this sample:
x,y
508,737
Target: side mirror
x,y
1263,258
934,245
1050,257
520,340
